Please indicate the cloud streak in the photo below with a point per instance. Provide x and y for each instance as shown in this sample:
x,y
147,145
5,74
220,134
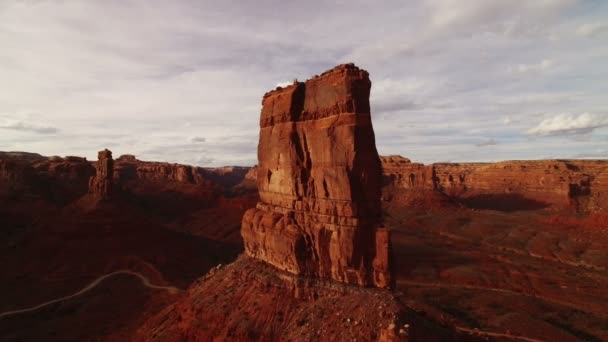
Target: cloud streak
x,y
489,142
593,29
27,127
568,124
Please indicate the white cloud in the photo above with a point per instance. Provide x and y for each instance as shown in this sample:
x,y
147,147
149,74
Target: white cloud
x,y
542,66
27,127
564,124
499,15
284,84
592,29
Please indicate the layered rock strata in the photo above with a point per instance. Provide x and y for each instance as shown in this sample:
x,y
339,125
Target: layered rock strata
x,y
101,185
578,184
32,176
128,169
319,180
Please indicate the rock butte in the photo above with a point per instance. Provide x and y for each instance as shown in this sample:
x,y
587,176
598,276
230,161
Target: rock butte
x,y
101,185
319,179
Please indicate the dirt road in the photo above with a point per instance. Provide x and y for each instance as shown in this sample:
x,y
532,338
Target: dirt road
x,y
145,281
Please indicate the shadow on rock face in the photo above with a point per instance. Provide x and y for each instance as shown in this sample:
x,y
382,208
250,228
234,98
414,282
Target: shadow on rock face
x,y
503,202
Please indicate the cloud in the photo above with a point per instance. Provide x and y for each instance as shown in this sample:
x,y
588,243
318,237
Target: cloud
x,y
395,106
499,15
596,154
284,84
543,65
489,142
568,124
27,127
592,29
198,139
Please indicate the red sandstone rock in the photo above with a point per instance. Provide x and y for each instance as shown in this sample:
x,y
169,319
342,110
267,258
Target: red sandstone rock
x,y
319,180
15,176
250,180
402,173
58,180
251,301
129,168
101,184
578,184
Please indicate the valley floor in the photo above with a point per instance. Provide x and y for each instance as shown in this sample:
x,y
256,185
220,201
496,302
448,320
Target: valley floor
x,y
490,272
519,275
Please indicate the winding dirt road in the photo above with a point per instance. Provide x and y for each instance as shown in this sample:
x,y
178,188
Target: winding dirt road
x,y
145,281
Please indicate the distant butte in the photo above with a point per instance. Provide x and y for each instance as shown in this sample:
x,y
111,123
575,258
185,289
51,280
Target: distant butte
x,y
101,185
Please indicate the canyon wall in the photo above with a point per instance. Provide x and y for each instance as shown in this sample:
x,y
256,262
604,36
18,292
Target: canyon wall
x,y
29,175
128,168
171,188
14,175
578,184
319,180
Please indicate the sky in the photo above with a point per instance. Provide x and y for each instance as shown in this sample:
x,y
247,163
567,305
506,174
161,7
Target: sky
x,y
182,81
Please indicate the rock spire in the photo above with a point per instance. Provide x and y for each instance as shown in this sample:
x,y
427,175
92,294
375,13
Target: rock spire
x,y
101,184
319,180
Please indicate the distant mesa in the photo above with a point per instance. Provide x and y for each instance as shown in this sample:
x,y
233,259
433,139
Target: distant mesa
x,y
579,185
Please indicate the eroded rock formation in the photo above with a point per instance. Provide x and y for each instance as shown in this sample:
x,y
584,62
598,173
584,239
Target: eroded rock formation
x,y
319,180
29,175
250,180
128,168
101,184
249,300
578,184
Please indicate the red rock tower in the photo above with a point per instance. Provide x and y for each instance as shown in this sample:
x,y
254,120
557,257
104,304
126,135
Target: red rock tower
x,y
319,180
100,185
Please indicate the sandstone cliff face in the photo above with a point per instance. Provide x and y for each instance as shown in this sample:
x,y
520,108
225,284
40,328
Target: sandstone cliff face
x,y
101,185
172,189
15,176
65,178
250,180
129,168
29,175
402,173
577,184
599,193
319,180
228,176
